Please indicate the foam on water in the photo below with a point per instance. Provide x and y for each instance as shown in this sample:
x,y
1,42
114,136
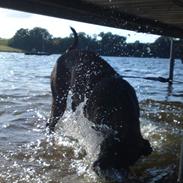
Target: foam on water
x,y
86,141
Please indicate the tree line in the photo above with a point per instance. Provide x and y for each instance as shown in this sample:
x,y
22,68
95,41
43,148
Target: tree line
x,y
107,44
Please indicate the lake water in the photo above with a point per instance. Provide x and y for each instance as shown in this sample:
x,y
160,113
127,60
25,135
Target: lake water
x,y
27,154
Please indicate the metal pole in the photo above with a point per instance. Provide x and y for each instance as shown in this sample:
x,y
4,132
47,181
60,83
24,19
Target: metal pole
x,y
180,173
172,62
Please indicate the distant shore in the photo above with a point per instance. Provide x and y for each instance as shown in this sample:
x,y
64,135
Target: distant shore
x,y
9,49
5,48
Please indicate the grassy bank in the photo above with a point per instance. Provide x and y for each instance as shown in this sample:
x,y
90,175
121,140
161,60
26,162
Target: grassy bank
x,y
5,48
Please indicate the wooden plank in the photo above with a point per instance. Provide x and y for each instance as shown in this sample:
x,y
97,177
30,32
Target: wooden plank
x,y
92,13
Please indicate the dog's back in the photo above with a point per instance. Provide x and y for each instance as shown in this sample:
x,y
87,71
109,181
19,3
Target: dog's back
x,y
90,70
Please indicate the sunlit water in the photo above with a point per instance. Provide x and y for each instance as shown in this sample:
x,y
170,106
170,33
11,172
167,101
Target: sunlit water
x,y
27,154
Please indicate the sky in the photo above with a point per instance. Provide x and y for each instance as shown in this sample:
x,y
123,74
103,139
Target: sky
x,y
11,21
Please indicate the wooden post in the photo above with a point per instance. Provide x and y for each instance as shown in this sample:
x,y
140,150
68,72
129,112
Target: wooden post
x,y
180,173
172,62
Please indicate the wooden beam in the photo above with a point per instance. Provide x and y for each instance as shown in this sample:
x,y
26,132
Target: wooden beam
x,y
91,13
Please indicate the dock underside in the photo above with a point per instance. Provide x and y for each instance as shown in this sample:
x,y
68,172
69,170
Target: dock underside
x,y
161,17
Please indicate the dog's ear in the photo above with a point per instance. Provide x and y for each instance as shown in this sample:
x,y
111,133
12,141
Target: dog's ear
x,y
75,43
74,31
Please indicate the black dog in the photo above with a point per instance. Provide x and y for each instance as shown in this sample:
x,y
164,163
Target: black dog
x,y
110,100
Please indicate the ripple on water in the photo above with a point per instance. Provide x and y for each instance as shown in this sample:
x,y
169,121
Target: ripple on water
x,y
42,161
163,112
28,155
159,126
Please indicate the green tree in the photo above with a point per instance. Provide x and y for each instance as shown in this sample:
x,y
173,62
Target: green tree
x,y
104,43
111,44
161,47
20,39
39,38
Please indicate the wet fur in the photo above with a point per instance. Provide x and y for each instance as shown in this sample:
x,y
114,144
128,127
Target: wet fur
x,y
110,100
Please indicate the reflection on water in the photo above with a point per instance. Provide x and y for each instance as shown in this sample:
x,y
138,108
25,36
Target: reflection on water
x,y
27,154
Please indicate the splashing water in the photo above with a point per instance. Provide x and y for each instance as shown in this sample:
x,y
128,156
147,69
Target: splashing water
x,y
27,154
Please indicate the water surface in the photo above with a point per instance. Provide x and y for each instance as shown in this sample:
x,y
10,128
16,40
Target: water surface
x,y
27,154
